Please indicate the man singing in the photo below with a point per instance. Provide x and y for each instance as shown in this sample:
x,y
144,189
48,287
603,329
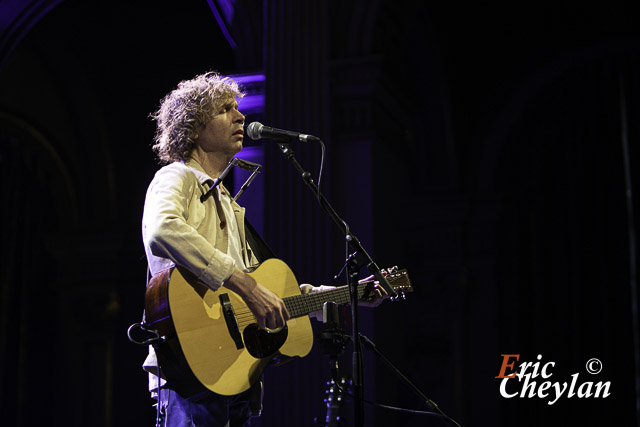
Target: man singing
x,y
199,131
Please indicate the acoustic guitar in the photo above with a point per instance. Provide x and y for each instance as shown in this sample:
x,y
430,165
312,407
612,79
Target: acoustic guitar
x,y
210,339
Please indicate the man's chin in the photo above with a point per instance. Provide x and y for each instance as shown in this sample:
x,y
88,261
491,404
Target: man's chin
x,y
237,148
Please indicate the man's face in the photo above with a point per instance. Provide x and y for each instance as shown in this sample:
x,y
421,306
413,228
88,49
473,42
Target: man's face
x,y
224,132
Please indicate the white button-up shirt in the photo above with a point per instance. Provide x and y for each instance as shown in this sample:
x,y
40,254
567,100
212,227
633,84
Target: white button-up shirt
x,y
207,238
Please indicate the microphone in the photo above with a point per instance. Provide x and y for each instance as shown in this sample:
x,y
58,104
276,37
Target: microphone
x,y
257,130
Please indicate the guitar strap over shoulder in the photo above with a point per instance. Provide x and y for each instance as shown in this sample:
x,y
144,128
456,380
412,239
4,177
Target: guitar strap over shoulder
x,y
260,249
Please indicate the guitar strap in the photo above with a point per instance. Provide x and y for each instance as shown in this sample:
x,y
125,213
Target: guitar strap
x,y
258,246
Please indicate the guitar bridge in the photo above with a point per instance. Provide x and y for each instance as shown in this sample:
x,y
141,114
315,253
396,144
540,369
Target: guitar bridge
x,y
230,319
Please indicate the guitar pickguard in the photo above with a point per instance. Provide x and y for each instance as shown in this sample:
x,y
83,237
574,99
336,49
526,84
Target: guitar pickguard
x,y
261,343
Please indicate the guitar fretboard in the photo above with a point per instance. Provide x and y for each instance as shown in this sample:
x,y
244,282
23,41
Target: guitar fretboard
x,y
301,305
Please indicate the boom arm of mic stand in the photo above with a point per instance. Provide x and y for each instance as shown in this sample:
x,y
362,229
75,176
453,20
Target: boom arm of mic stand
x,y
362,255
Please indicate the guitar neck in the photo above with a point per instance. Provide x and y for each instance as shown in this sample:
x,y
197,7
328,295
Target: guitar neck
x,y
301,305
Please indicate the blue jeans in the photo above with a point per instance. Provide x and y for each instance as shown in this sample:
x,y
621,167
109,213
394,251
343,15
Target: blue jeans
x,y
208,409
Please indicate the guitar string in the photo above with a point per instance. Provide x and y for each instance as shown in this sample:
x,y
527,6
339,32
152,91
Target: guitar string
x,y
299,305
295,305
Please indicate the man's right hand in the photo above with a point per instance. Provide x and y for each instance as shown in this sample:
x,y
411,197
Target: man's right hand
x,y
267,307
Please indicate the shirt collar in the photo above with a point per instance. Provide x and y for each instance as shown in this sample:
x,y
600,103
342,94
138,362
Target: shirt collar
x,y
202,176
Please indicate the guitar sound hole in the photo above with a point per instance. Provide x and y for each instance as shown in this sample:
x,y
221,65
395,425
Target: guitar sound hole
x,y
260,343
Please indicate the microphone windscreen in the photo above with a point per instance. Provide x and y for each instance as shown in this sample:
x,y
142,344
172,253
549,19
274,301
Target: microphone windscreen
x,y
254,129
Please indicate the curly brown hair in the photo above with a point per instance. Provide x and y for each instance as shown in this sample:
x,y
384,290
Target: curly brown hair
x,y
191,105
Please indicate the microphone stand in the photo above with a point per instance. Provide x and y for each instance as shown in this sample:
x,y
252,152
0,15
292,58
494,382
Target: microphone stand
x,y
357,260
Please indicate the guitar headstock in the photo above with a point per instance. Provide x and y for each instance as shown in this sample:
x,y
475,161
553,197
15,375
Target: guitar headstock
x,y
399,281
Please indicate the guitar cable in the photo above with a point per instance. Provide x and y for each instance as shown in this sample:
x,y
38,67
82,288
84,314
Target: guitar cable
x,y
158,401
155,336
155,339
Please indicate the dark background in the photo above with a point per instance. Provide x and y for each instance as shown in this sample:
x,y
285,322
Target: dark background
x,y
479,146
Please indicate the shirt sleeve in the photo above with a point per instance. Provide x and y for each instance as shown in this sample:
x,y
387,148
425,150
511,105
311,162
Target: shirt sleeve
x,y
167,233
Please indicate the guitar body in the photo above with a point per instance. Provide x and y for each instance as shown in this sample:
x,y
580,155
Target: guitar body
x,y
200,349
